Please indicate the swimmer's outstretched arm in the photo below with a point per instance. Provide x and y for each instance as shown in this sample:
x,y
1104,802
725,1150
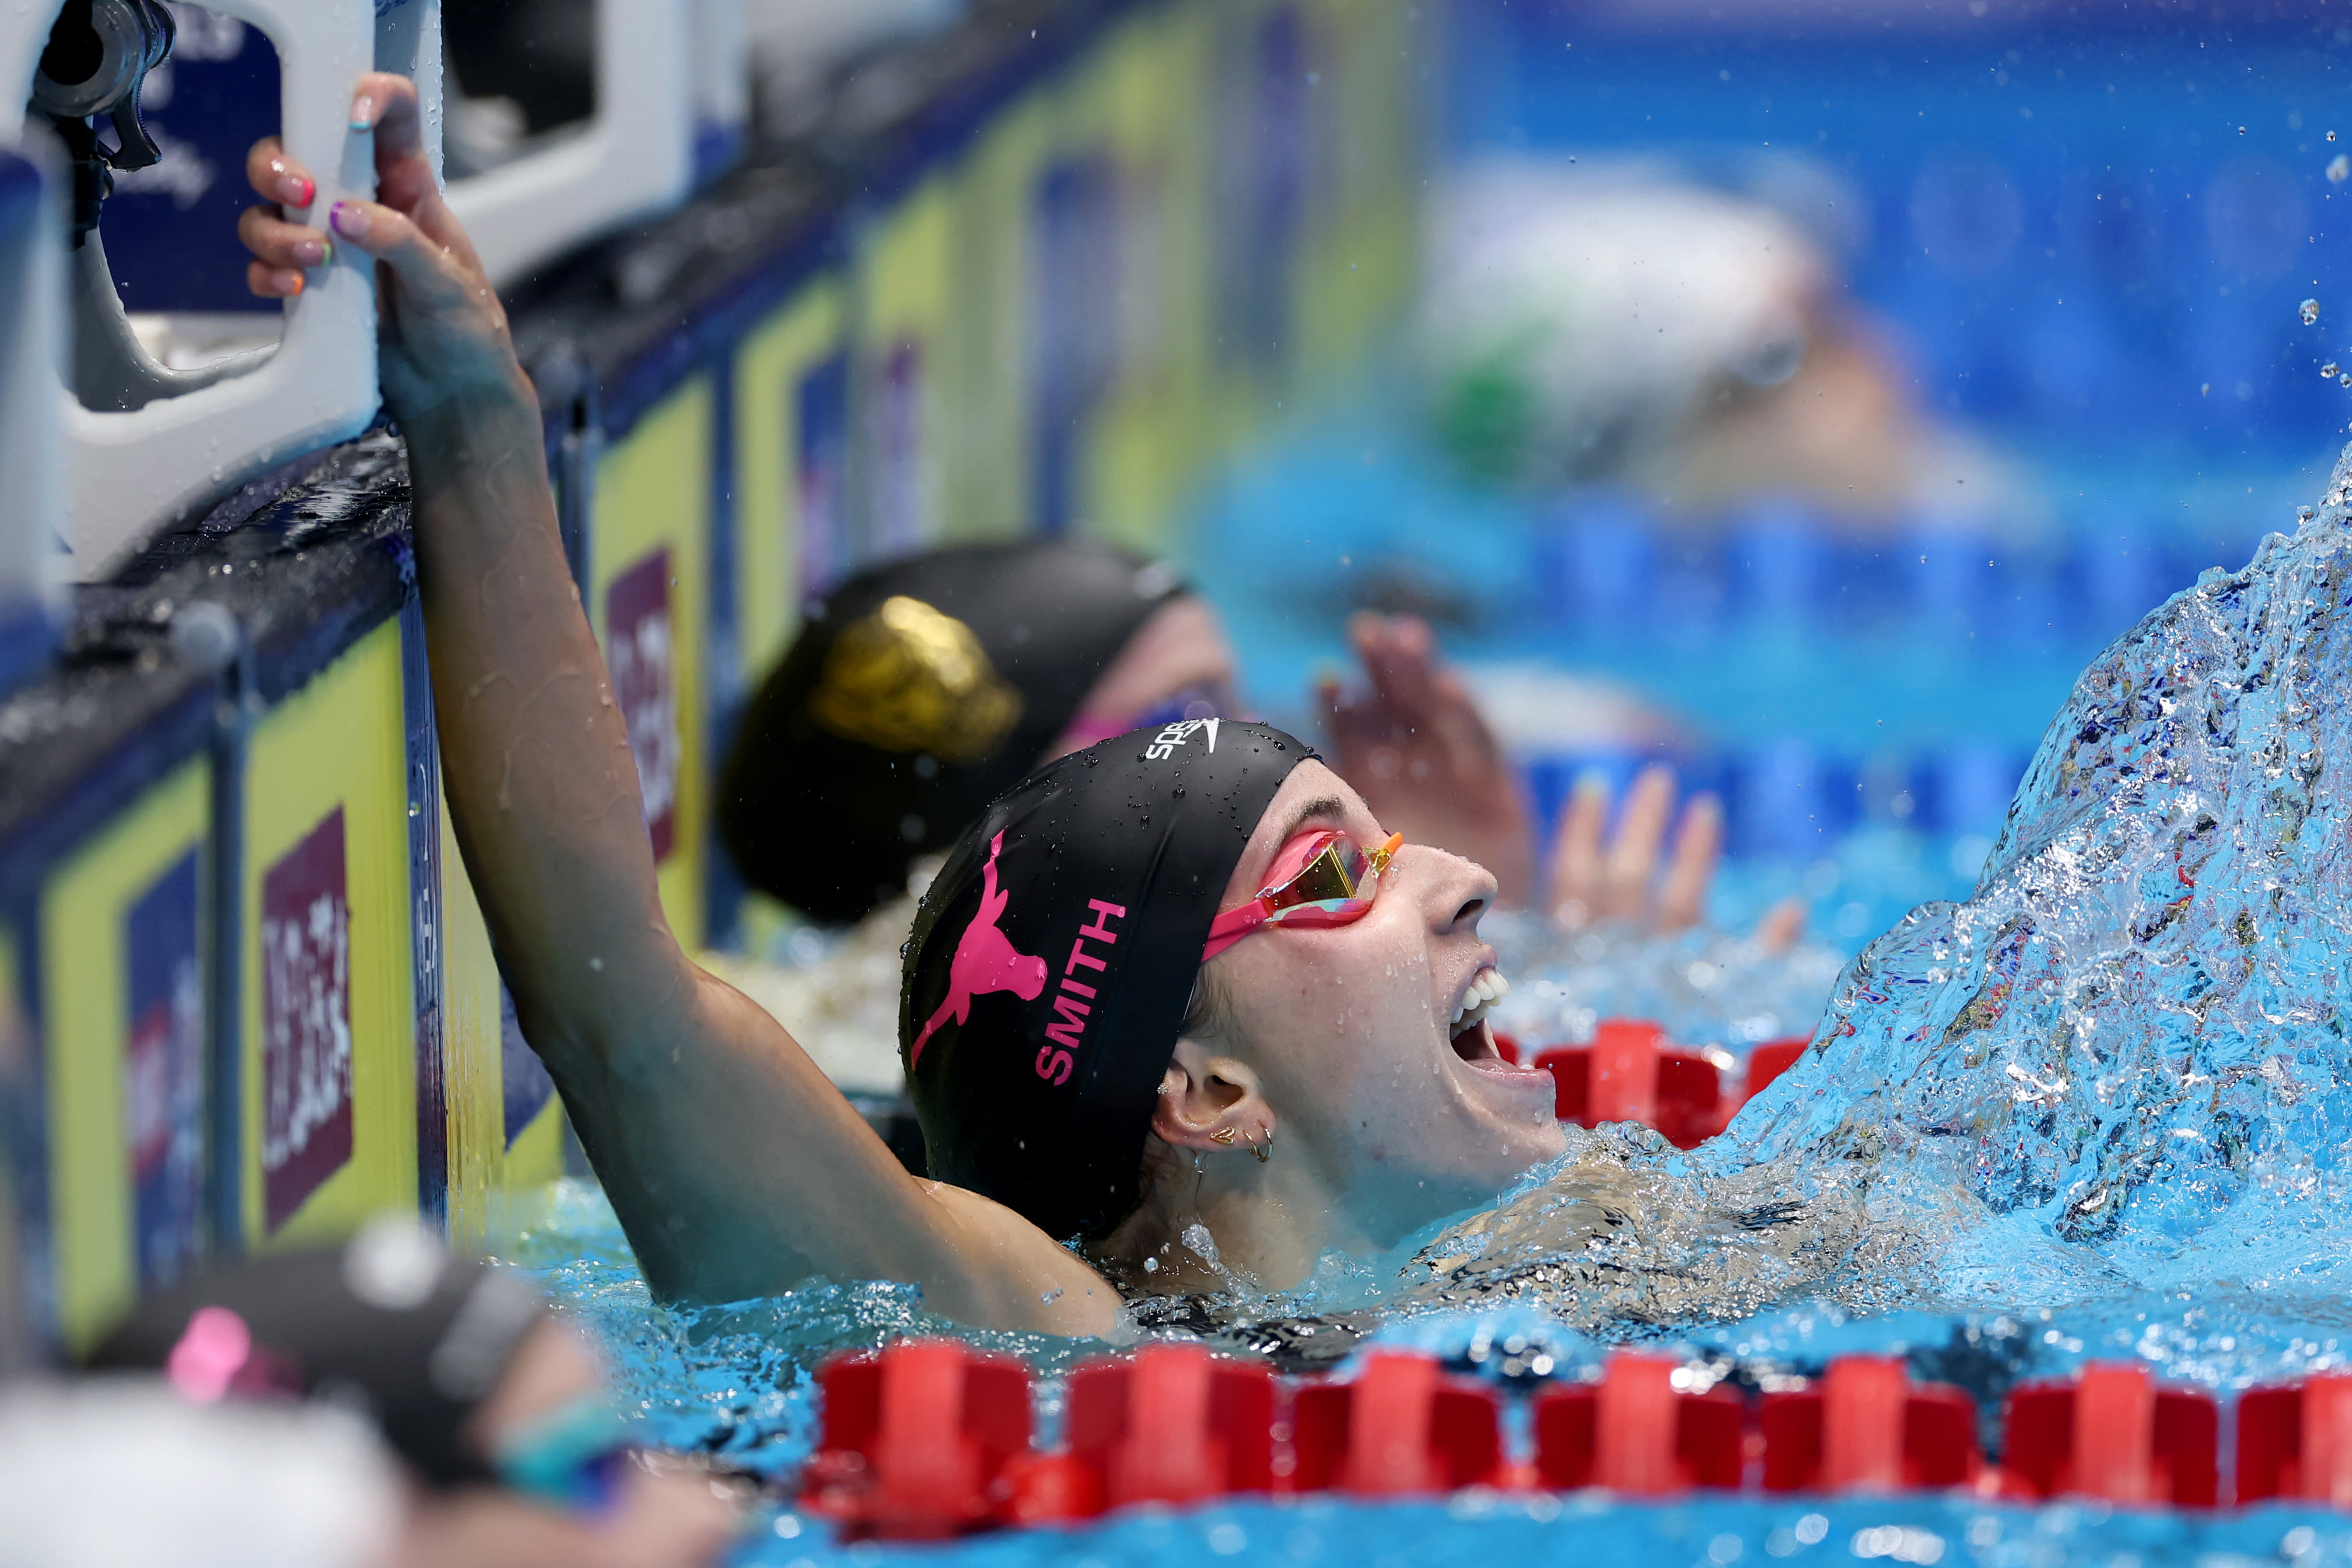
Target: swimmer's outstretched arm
x,y
736,1168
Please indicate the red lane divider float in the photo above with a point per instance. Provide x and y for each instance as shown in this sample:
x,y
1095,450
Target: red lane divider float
x,y
2112,1433
1173,1425
1866,1426
917,1439
1400,1429
932,1439
1636,1432
1630,1073
2298,1442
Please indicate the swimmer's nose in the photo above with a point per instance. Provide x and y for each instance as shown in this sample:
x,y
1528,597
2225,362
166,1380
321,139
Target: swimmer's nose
x,y
1457,892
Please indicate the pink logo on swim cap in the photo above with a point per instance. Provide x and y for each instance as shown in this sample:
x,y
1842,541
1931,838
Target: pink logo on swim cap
x,y
984,961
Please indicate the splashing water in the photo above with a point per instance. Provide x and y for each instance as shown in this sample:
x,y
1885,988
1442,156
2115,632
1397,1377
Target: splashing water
x,y
2130,1036
1704,988
2096,1109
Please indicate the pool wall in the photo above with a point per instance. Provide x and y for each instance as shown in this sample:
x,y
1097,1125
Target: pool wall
x,y
246,994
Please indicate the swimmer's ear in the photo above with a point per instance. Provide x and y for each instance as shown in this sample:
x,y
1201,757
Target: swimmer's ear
x,y
1210,1102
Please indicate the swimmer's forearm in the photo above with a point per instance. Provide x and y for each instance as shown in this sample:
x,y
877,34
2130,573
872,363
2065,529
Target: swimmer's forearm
x,y
736,1167
541,786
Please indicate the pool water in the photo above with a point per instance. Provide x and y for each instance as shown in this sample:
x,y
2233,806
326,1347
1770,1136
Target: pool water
x,y
2094,1110
2086,1096
737,1381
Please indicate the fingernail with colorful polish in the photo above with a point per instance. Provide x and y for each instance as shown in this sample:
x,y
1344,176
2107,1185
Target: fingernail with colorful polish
x,y
314,252
292,282
348,220
362,114
295,190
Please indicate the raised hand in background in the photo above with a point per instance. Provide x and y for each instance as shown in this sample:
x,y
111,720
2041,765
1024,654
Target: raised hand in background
x,y
1414,745
1412,742
1595,877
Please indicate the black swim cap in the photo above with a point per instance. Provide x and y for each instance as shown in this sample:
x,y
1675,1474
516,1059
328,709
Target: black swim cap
x,y
919,691
417,1336
1054,958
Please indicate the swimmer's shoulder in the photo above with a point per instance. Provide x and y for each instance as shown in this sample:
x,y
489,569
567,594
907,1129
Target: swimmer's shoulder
x,y
1011,1275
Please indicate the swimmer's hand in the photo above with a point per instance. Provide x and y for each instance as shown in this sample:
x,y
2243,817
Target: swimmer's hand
x,y
1595,877
1416,748
441,331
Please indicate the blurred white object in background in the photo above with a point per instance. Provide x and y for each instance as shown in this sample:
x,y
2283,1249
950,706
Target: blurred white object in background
x,y
722,85
1537,710
32,360
1585,313
125,1473
1627,323
633,156
796,44
145,445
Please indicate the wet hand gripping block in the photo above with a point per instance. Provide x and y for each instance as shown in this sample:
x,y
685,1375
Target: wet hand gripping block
x,y
2113,1433
917,1439
1865,1426
1638,1433
2296,1442
1400,1428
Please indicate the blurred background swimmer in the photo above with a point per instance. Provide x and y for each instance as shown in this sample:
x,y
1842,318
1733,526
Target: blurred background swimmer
x,y
1622,324
509,1446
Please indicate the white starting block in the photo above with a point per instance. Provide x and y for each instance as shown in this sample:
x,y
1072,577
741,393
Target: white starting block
x,y
32,356
662,66
165,443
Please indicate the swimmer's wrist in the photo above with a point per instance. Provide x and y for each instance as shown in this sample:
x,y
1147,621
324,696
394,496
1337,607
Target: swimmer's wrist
x,y
476,434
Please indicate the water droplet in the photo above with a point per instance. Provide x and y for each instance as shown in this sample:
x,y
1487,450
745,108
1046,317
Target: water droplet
x,y
2339,169
2330,371
2309,311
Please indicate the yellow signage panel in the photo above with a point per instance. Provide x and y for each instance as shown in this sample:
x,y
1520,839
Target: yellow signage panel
x,y
489,1159
122,1033
791,463
648,600
329,1070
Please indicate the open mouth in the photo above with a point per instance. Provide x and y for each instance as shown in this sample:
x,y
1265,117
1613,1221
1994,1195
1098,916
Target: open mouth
x,y
1468,1033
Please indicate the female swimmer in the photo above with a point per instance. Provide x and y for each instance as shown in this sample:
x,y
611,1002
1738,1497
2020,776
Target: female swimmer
x,y
1184,977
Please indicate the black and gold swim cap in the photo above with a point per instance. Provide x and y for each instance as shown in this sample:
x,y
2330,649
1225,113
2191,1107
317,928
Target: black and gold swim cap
x,y
918,692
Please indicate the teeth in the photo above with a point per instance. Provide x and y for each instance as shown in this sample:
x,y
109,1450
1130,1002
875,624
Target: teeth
x,y
1486,988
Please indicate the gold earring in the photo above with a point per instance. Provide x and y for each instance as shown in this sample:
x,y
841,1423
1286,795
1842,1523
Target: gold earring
x,y
1221,1135
1265,1151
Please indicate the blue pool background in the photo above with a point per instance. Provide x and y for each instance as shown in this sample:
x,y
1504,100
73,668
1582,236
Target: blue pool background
x,y
1865,708
2089,236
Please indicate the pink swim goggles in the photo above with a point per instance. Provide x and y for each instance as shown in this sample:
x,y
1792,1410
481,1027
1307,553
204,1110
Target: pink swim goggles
x,y
1334,884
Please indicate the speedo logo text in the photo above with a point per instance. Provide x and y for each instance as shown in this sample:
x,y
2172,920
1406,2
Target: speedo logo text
x,y
1164,743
